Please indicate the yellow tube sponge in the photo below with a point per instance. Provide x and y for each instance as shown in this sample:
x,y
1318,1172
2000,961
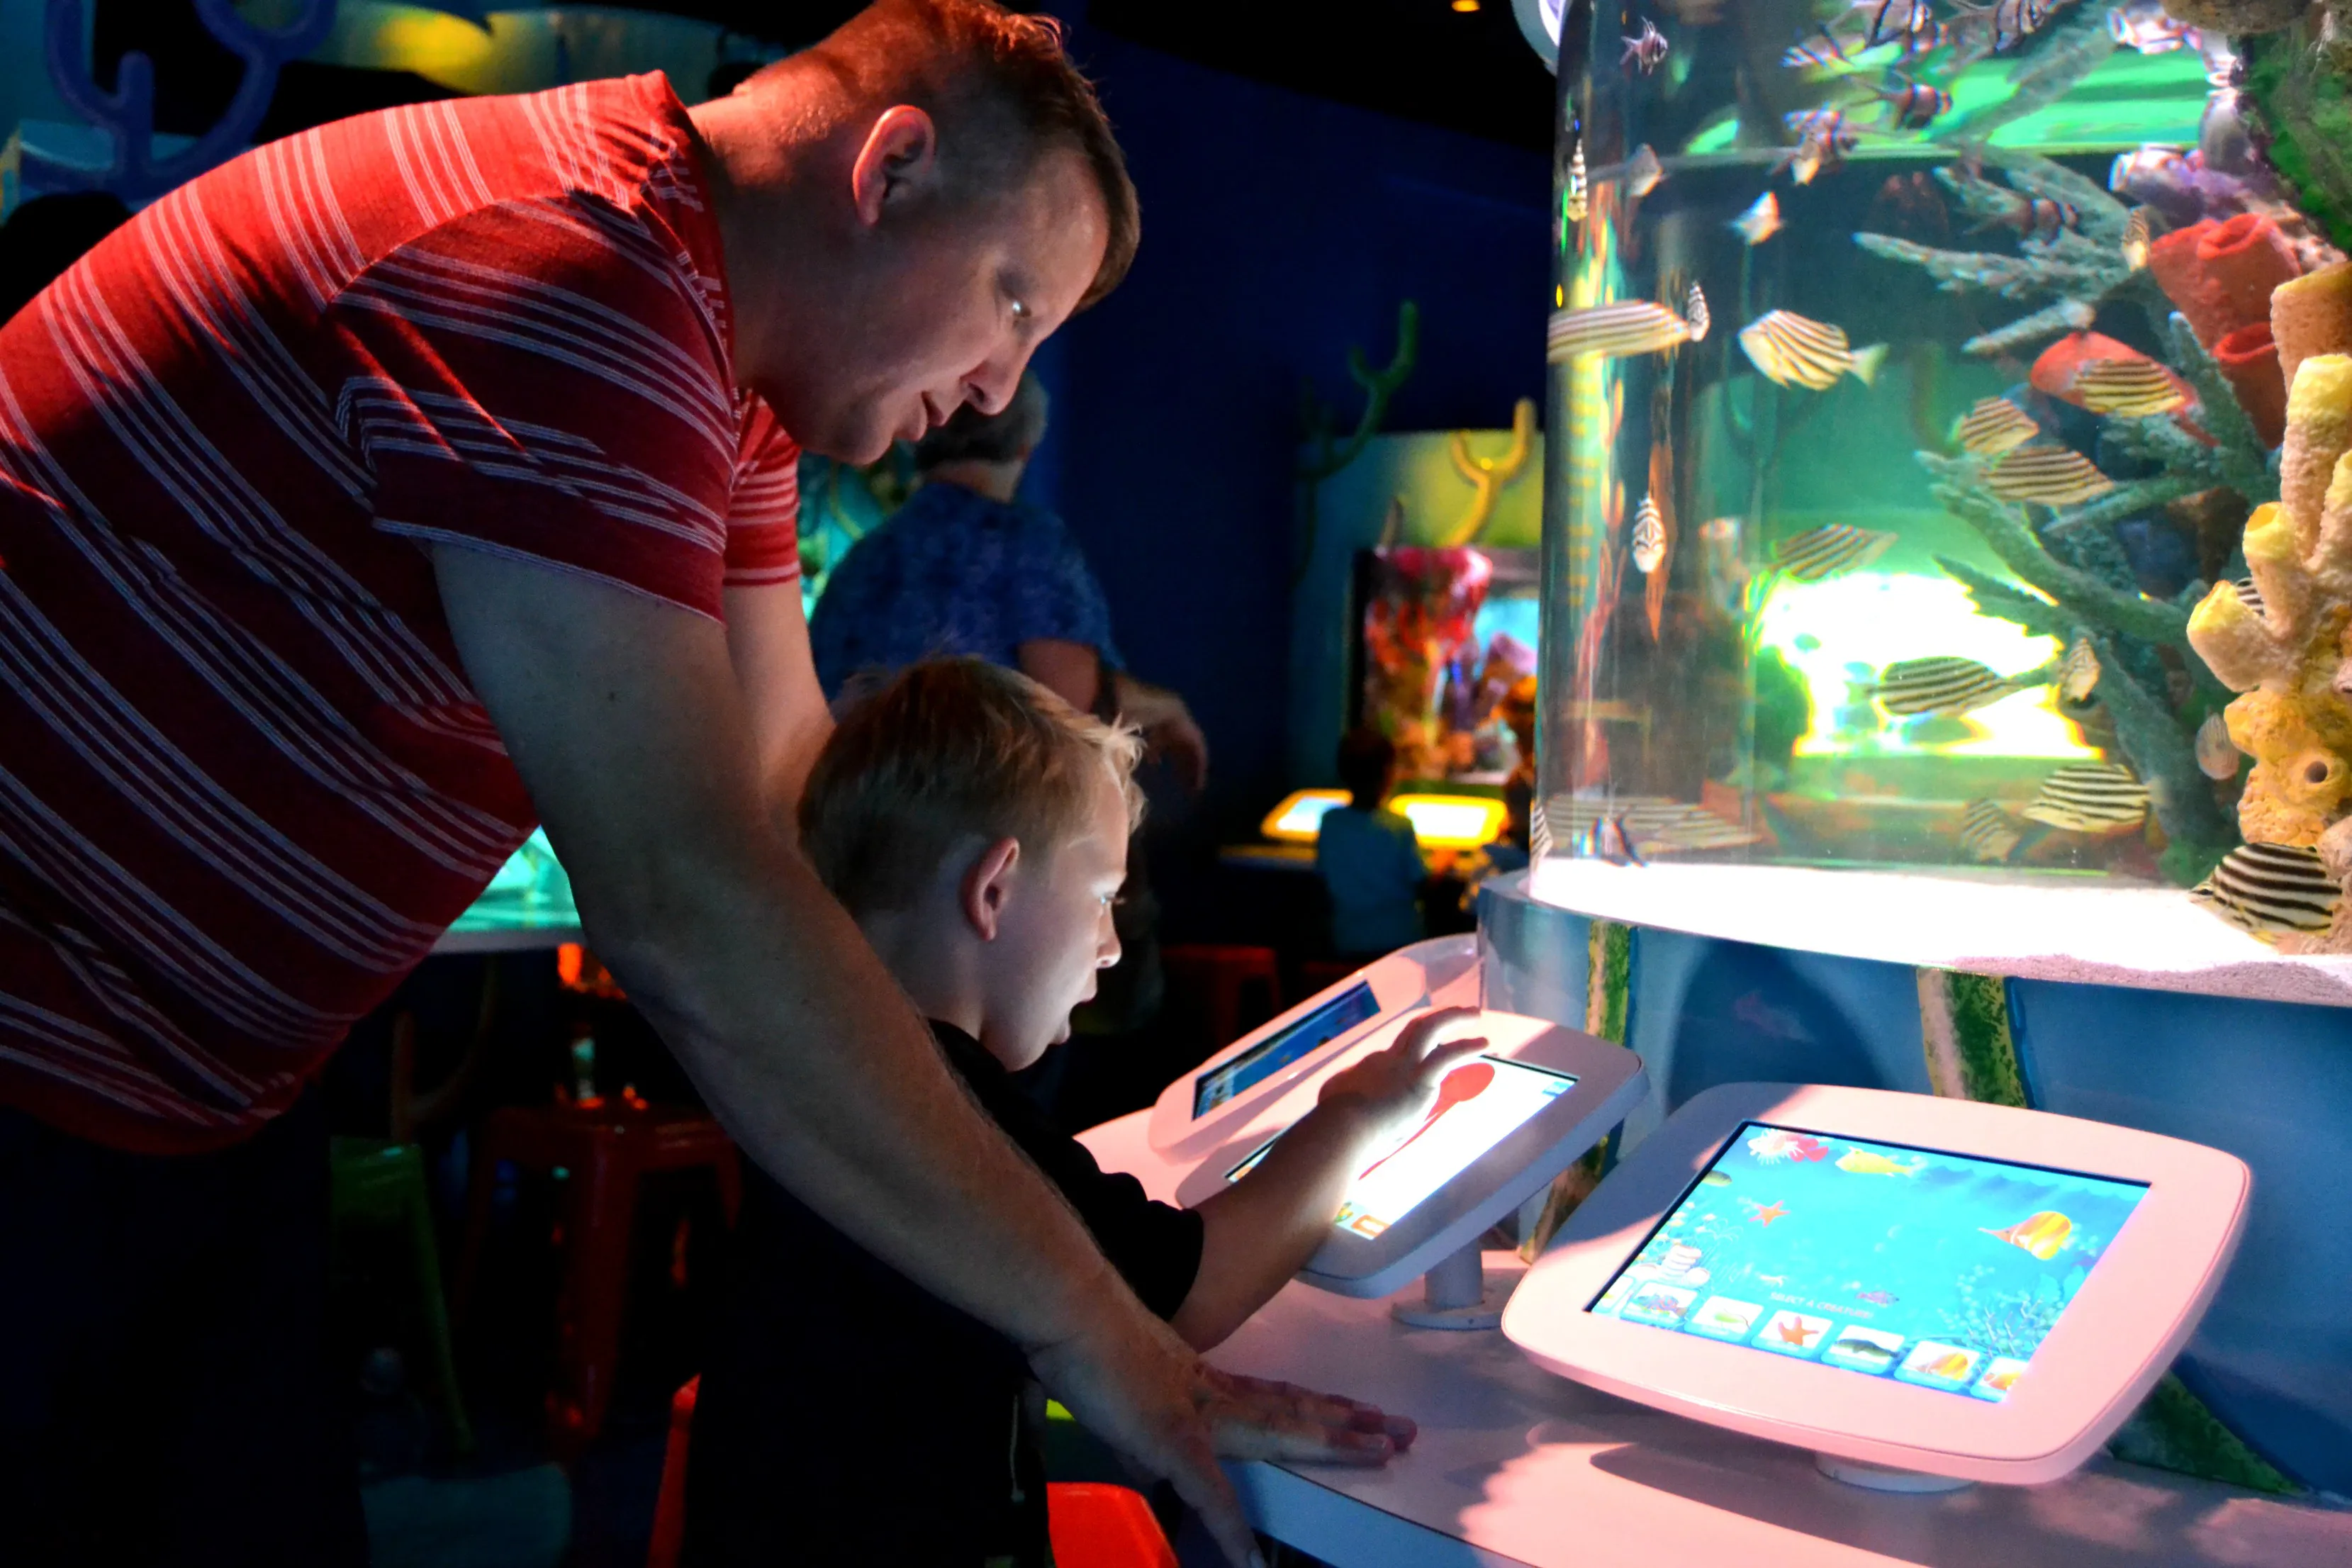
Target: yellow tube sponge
x,y
2318,429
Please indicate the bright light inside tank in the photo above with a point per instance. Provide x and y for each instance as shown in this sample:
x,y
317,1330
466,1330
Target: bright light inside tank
x,y
1846,630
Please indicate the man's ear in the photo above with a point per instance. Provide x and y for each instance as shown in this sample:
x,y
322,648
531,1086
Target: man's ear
x,y
901,152
987,887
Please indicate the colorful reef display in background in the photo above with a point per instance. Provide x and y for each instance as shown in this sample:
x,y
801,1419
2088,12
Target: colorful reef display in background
x,y
1956,401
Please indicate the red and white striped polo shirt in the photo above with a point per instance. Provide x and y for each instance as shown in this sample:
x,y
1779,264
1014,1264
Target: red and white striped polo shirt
x,y
244,784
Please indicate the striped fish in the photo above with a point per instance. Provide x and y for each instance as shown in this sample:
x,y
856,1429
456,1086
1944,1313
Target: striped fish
x,y
1942,685
2053,476
1826,551
1577,204
1796,350
2079,672
1624,328
1646,825
2248,594
1994,426
2130,388
2137,238
1649,537
2090,797
2266,888
1988,832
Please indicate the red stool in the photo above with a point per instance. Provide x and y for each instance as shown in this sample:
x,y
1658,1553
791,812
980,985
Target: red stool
x,y
607,1149
1217,973
1091,1525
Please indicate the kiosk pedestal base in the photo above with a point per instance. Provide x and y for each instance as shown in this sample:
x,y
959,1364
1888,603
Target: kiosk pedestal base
x,y
1883,1477
1456,1294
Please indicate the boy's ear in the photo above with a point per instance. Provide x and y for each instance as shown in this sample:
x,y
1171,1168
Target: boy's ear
x,y
987,887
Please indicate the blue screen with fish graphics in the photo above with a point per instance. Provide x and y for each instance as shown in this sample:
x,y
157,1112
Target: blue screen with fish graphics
x,y
1936,1269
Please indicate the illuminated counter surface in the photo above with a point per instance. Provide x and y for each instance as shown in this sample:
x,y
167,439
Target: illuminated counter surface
x,y
1517,1466
2087,933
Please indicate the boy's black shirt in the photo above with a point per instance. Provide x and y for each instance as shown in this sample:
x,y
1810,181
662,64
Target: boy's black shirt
x,y
847,1415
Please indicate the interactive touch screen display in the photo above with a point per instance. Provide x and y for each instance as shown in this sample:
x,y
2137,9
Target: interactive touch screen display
x,y
1279,1049
1887,1261
1479,1104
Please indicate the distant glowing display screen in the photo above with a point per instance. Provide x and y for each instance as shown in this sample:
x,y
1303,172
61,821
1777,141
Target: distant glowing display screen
x,y
1935,1269
1283,1047
1306,813
1468,821
1479,1104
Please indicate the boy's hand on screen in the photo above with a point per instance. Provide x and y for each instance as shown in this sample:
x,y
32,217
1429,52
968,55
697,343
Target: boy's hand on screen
x,y
1399,1083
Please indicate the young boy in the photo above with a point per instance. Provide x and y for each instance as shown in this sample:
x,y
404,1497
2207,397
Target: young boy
x,y
1367,856
976,826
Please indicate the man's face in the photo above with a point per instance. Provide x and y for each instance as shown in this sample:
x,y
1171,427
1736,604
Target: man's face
x,y
1055,932
945,307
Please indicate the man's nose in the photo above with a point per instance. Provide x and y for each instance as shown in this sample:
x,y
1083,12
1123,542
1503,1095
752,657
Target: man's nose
x,y
991,387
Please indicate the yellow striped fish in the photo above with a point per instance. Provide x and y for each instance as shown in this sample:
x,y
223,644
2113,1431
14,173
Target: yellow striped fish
x,y
1826,551
2079,672
2136,235
1796,350
1987,832
1992,427
1624,328
2131,388
2248,594
2053,476
2266,888
2090,797
1942,685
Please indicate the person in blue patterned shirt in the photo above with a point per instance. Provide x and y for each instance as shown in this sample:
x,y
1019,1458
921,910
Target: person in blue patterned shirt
x,y
964,569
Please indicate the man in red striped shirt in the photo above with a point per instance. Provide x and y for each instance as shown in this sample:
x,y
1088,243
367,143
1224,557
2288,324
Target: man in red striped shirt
x,y
396,486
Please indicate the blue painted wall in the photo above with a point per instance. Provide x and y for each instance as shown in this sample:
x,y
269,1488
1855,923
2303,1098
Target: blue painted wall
x,y
1278,230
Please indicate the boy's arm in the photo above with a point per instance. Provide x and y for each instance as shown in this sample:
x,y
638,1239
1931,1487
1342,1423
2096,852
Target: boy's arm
x,y
1261,1230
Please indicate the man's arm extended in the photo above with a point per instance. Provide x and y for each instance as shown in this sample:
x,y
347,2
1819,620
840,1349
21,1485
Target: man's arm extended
x,y
628,723
768,643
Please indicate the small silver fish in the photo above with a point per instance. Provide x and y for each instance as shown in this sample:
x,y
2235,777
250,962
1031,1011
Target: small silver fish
x,y
2129,388
1643,171
1824,50
1796,350
1646,48
1649,537
1761,220
2011,21
1897,19
1994,426
2142,25
2217,755
2090,797
1826,551
1823,138
1624,328
2052,476
2079,672
1943,685
1987,832
1914,103
2267,889
1577,204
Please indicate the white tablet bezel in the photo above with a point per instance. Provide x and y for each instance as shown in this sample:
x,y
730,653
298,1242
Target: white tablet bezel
x,y
1440,971
1609,1083
2122,1329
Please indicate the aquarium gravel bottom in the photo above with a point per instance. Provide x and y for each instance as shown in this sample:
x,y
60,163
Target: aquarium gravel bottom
x,y
2089,932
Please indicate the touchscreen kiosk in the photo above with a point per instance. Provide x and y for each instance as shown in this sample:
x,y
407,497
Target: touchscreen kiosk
x,y
1505,1123
1924,1292
1211,1103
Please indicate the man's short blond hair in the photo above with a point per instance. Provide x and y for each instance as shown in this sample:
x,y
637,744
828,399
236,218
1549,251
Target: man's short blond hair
x,y
948,751
998,85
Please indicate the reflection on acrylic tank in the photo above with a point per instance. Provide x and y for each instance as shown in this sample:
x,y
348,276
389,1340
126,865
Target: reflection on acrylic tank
x,y
1936,1269
1929,493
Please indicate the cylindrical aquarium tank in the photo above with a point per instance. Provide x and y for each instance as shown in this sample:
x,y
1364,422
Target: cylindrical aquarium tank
x,y
1947,403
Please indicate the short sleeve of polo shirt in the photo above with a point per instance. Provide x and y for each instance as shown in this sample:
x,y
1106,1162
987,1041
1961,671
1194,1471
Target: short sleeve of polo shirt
x,y
544,379
1051,592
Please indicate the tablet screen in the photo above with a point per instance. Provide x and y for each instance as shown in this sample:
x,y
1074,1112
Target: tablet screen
x,y
1283,1047
1479,1104
1936,1269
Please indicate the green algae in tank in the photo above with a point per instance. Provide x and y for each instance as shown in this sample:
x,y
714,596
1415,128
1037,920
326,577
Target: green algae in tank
x,y
1906,362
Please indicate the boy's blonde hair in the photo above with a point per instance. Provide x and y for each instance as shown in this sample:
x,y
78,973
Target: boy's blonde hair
x,y
950,749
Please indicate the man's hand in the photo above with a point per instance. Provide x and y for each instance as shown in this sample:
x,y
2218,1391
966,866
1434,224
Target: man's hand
x,y
1160,1406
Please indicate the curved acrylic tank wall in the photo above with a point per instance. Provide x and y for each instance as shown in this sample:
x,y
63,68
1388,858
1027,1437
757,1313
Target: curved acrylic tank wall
x,y
1915,389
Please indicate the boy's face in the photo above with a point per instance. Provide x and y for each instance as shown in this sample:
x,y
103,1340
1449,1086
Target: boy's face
x,y
1056,932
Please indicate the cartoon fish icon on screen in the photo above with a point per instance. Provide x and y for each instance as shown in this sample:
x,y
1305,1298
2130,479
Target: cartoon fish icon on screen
x,y
2044,1235
1775,1144
1862,1162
